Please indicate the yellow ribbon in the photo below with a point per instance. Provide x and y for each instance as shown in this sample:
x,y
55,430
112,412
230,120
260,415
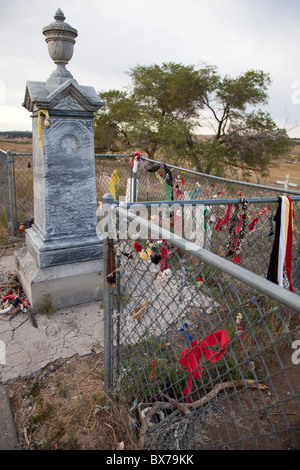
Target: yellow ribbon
x,y
113,180
46,123
159,178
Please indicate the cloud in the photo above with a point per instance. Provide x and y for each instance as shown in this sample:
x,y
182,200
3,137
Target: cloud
x,y
115,36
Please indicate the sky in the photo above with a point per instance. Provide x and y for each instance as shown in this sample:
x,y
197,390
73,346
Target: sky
x,y
116,35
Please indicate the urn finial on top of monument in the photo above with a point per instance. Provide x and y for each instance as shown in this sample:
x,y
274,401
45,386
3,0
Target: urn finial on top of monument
x,y
60,39
59,15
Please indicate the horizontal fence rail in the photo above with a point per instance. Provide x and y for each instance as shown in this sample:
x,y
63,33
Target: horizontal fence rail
x,y
135,184
227,180
200,351
277,293
217,226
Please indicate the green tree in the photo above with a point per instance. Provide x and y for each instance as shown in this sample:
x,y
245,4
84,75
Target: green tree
x,y
115,121
167,107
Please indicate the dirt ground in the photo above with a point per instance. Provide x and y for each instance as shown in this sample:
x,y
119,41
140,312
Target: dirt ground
x,y
276,412
63,408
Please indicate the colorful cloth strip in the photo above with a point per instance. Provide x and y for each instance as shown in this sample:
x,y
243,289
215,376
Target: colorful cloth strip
x,y
283,243
190,357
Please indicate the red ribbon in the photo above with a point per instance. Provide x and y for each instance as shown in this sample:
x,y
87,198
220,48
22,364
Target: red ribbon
x,y
267,208
164,256
221,222
190,357
252,224
9,297
137,154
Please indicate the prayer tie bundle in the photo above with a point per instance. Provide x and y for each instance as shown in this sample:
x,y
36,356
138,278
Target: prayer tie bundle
x,y
283,242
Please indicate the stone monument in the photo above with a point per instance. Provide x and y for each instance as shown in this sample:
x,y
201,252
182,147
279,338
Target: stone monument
x,y
63,254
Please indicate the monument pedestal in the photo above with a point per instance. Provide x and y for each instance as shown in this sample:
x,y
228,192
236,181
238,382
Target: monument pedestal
x,y
63,255
68,284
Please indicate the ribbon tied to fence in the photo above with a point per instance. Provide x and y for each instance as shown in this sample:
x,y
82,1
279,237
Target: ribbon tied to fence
x,y
46,123
190,357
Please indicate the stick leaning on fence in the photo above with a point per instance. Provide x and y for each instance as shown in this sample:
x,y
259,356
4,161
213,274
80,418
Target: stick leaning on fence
x,y
172,404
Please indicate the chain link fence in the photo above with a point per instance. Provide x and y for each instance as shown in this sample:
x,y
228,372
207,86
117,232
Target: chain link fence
x,y
240,230
17,205
4,190
17,189
199,353
220,215
114,174
155,181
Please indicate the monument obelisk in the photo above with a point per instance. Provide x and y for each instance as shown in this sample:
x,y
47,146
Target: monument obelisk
x,y
63,254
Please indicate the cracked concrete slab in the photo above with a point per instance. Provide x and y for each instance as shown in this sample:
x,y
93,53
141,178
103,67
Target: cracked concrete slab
x,y
67,332
26,350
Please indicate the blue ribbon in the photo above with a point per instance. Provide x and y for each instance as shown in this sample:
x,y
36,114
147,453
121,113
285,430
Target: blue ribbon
x,y
189,337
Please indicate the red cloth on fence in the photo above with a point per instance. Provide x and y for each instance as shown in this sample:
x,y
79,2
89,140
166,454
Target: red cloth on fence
x,y
221,222
164,256
137,154
190,357
252,224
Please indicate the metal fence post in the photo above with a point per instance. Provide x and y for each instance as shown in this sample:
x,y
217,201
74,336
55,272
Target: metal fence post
x,y
107,201
135,187
134,170
10,190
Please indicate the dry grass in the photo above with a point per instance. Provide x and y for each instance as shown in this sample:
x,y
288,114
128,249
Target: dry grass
x,y
63,408
279,173
4,233
15,146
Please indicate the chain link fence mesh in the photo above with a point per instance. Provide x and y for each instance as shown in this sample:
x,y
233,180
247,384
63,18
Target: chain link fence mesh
x,y
219,215
114,173
22,174
242,231
183,184
4,192
201,360
16,188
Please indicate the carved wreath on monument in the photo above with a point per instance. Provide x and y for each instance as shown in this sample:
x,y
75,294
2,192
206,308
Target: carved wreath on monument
x,y
69,144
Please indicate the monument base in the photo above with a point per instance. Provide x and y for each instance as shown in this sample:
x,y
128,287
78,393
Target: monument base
x,y
64,250
68,284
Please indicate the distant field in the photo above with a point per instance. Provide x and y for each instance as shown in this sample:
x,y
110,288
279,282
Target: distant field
x,y
279,174
15,146
289,166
